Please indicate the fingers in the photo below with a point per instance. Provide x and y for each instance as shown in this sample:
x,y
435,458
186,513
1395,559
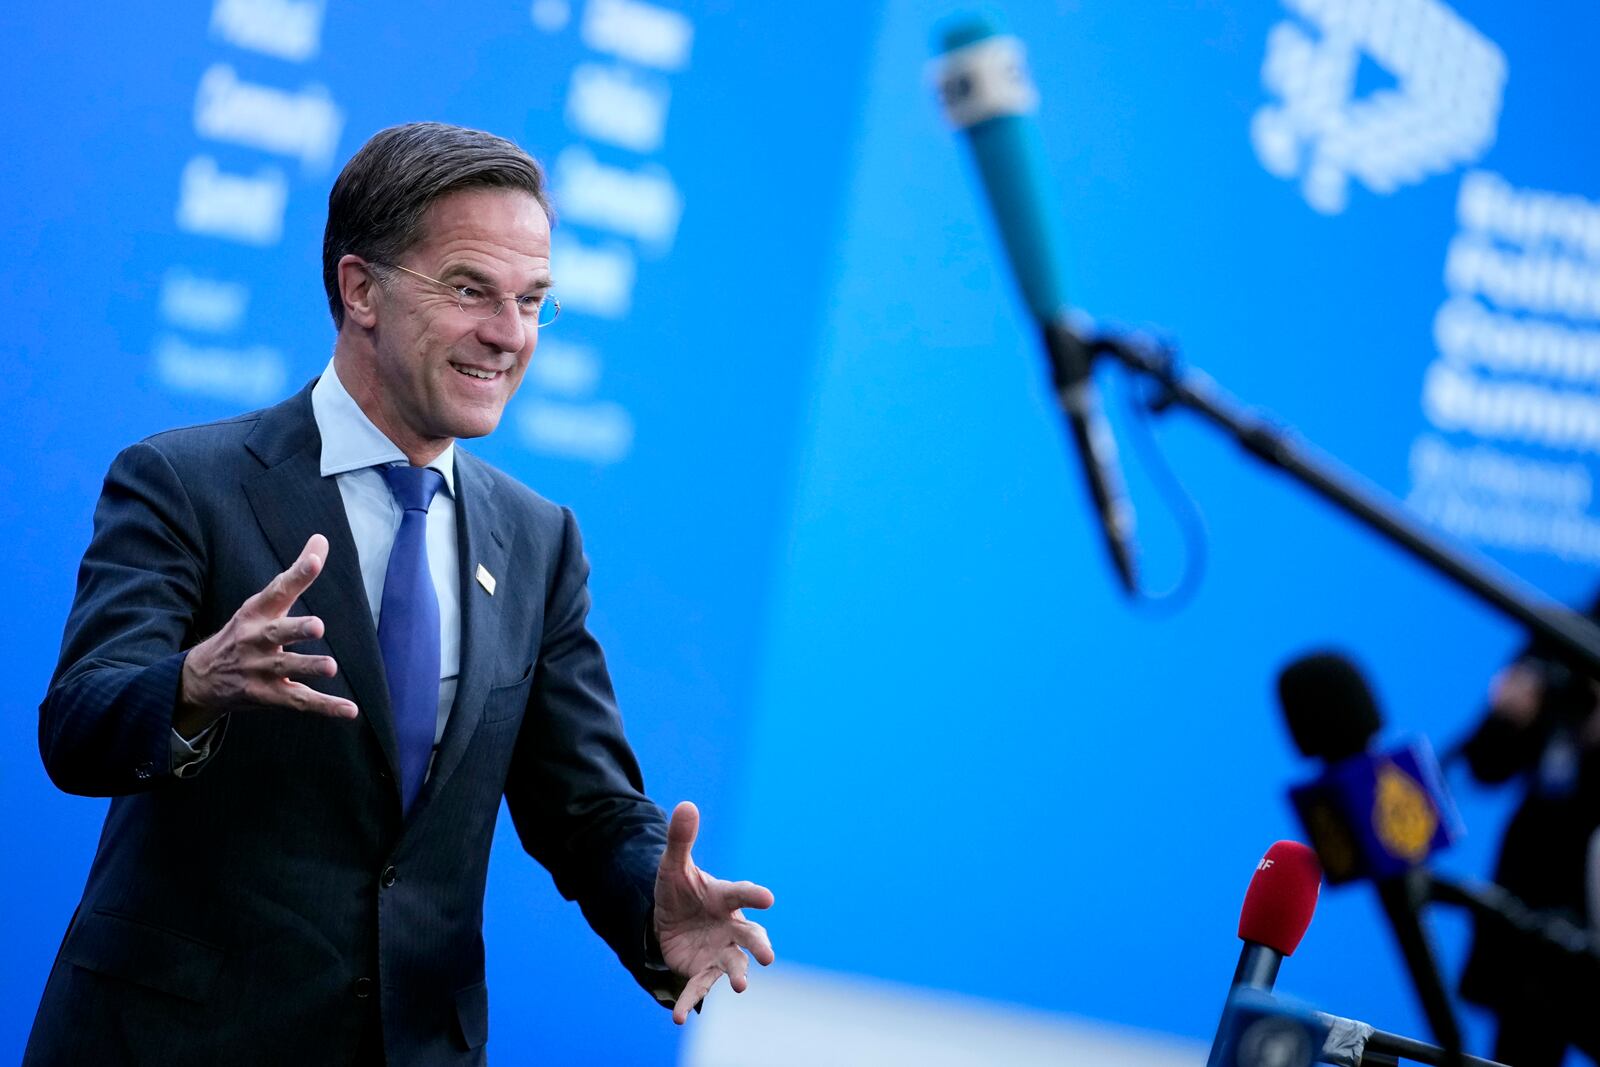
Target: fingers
x,y
737,967
681,832
746,895
304,698
291,630
281,593
753,938
294,665
267,672
694,993
246,662
732,962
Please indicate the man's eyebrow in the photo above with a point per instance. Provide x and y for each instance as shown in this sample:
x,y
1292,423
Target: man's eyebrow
x,y
540,283
473,274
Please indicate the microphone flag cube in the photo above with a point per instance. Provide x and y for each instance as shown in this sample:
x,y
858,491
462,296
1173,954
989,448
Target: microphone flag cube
x,y
1378,814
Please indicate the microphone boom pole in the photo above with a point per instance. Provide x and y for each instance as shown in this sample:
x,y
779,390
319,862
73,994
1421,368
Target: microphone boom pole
x,y
1401,898
1575,635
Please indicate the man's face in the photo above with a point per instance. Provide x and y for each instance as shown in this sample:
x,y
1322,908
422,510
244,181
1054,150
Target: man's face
x,y
438,373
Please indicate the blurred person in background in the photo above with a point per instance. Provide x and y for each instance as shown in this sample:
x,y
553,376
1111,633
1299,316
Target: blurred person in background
x,y
1542,727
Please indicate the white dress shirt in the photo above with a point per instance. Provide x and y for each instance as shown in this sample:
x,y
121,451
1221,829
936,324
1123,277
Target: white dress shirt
x,y
352,450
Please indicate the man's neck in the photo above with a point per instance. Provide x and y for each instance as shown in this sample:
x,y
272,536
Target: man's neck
x,y
365,391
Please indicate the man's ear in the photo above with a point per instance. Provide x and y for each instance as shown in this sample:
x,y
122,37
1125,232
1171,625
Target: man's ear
x,y
359,291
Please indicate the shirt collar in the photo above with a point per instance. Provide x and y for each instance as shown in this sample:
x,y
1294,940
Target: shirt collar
x,y
351,442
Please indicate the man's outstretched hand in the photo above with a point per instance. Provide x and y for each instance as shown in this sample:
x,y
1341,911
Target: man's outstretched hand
x,y
245,661
703,933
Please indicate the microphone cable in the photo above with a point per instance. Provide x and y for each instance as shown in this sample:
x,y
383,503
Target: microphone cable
x,y
1180,503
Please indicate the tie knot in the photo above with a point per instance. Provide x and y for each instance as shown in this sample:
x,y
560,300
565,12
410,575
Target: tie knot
x,y
413,487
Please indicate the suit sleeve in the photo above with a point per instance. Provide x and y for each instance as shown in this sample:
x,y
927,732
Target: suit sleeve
x,y
105,726
575,791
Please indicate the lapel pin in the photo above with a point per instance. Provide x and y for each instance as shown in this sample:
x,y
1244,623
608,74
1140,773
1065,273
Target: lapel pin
x,y
486,579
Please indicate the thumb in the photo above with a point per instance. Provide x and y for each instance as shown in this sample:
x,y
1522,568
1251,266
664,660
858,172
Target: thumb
x,y
681,832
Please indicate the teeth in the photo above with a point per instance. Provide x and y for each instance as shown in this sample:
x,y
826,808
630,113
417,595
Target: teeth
x,y
472,372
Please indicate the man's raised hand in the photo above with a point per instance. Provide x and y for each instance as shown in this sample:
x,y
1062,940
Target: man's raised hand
x,y
245,662
702,931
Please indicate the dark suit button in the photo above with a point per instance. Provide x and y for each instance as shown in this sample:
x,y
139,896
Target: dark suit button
x,y
363,988
390,875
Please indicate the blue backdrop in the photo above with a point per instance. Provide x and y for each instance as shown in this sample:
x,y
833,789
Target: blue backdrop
x,y
853,601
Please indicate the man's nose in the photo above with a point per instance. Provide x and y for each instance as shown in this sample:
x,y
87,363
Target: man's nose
x,y
508,330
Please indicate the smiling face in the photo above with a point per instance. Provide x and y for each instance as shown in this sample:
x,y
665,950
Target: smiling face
x,y
424,371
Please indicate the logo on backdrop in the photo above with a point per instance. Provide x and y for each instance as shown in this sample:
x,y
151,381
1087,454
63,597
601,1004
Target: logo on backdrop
x,y
1511,397
620,205
1389,95
1437,109
198,349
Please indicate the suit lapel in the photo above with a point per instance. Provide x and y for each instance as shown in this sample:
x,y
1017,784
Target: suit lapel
x,y
483,539
292,500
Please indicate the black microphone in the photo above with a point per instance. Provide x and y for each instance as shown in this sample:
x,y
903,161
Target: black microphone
x,y
1333,716
988,94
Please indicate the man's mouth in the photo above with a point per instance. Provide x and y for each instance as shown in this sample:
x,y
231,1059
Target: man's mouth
x,y
479,373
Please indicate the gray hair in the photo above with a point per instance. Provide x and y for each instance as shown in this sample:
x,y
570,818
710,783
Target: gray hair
x,y
376,207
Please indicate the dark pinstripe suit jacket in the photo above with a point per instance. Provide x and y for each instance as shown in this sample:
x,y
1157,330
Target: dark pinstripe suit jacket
x,y
262,910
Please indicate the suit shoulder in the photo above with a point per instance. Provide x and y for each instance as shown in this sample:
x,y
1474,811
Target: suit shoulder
x,y
209,444
202,440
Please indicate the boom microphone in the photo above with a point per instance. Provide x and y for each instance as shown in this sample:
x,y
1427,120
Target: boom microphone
x,y
1328,707
1373,814
988,94
1277,909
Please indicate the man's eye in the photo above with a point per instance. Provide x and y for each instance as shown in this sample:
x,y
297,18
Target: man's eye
x,y
529,303
470,293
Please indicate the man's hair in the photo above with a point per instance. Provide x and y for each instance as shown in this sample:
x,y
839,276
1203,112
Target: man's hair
x,y
376,207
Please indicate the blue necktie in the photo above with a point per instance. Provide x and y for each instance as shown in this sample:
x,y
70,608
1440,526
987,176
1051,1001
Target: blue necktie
x,y
408,627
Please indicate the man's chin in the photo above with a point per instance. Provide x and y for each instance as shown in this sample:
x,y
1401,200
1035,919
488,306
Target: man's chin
x,y
475,424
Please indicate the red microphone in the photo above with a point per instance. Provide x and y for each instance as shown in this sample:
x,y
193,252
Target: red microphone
x,y
1277,909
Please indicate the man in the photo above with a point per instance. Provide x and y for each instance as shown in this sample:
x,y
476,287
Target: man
x,y
311,649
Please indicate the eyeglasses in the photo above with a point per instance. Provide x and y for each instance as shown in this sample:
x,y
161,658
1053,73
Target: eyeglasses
x,y
477,303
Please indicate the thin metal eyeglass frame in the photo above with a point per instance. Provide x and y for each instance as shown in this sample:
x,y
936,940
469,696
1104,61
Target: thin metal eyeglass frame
x,y
549,297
